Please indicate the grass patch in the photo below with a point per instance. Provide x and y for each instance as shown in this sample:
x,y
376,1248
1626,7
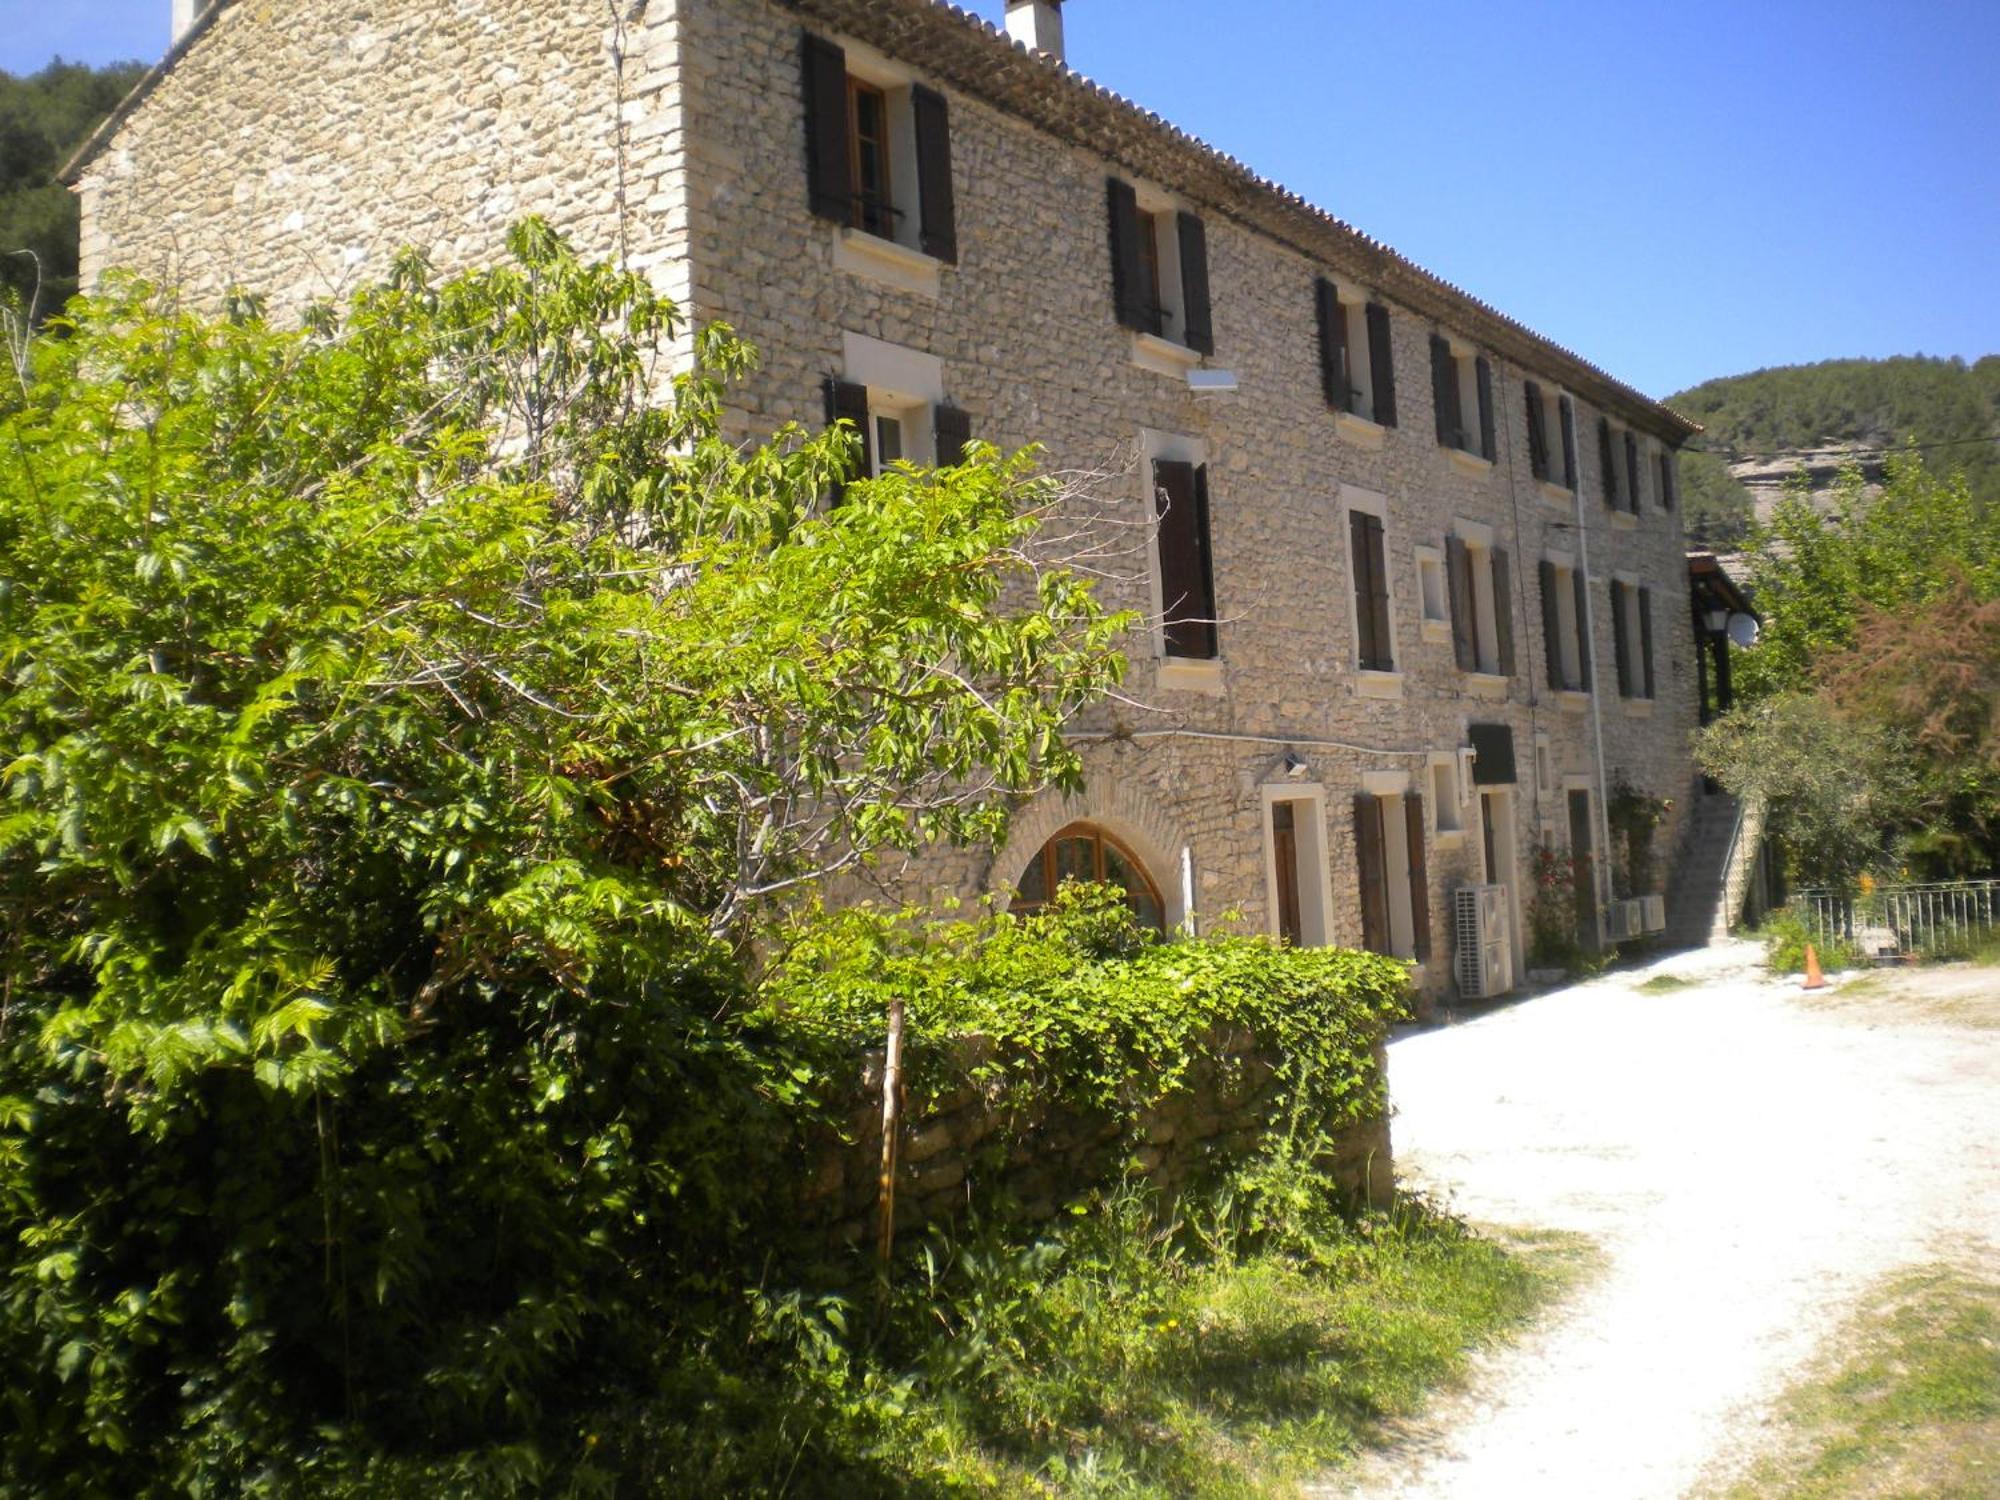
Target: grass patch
x,y
1666,984
1909,1406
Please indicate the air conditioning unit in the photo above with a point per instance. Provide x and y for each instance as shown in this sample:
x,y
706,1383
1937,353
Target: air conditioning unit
x,y
1623,921
1652,913
1483,953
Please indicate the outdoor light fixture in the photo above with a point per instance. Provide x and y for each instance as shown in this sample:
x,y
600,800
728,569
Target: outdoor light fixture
x,y
1718,621
1295,765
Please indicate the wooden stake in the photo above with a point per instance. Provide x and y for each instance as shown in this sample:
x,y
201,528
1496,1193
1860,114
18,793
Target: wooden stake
x,y
892,1121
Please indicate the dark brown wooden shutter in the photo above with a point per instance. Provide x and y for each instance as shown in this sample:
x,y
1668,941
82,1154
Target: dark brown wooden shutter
x,y
1620,643
1444,391
1582,590
1503,610
1370,867
1538,439
1194,284
938,212
1646,639
1420,879
1483,373
827,169
1632,471
1608,461
953,430
1552,624
1458,575
1381,364
1206,548
848,402
1375,650
1128,289
1285,858
1333,375
1667,496
1567,409
1185,591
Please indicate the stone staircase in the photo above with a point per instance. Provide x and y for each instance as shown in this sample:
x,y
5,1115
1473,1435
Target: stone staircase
x,y
1705,892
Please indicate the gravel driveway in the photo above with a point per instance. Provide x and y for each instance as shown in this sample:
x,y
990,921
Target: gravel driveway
x,y
1748,1158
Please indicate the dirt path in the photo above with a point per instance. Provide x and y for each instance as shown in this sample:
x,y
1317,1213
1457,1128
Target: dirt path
x,y
1749,1160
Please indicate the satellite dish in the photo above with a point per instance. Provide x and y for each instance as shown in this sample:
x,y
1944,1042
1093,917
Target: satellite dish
x,y
1744,630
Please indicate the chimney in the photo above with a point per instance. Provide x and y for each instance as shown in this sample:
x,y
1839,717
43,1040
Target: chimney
x,y
185,14
1036,23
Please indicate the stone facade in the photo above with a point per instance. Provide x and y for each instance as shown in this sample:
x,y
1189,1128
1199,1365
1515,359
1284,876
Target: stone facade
x,y
291,150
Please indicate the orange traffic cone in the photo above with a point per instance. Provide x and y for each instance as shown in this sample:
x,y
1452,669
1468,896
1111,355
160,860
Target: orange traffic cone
x,y
1815,980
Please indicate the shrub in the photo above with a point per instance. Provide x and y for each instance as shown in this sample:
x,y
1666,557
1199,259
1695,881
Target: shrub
x,y
1785,936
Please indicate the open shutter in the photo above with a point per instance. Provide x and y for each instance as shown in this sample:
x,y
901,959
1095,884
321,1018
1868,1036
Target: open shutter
x,y
848,402
1484,379
1205,550
1551,625
953,430
827,169
1620,639
1370,866
1127,281
1646,639
1567,409
1667,496
1185,592
1332,346
1444,391
937,206
1420,879
1458,574
1608,462
1538,440
1632,471
1194,284
1381,364
1582,588
1503,611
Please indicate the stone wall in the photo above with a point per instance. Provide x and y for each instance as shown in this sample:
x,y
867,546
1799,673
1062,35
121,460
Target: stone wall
x,y
973,1151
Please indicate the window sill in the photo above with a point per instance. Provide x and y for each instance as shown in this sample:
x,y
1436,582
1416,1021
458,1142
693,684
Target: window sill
x,y
1449,838
1378,684
1555,494
1359,430
1487,685
1470,464
870,256
1573,701
1437,631
1163,356
1638,708
1624,520
1189,674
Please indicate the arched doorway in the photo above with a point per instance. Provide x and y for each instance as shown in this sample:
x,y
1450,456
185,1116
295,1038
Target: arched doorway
x,y
1085,852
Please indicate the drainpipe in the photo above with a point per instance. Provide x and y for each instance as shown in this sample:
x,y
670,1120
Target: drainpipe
x,y
1589,625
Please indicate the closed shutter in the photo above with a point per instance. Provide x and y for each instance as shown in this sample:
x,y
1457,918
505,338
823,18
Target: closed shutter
x,y
1420,879
1483,373
1444,391
1128,289
1187,614
1332,346
1582,590
1538,439
1632,471
1608,462
1503,611
1381,364
938,208
848,402
1568,411
1458,574
1375,648
1370,867
1551,625
1194,285
1667,496
827,169
1621,639
953,430
1646,639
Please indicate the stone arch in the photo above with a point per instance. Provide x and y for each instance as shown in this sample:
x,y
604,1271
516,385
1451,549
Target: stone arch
x,y
1121,809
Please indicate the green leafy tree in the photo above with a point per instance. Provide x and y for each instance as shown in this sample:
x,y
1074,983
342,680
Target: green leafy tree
x,y
409,723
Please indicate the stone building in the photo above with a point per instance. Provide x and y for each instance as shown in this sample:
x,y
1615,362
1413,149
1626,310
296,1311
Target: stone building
x,y
1414,574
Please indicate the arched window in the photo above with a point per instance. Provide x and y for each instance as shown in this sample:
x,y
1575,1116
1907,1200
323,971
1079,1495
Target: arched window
x,y
1085,852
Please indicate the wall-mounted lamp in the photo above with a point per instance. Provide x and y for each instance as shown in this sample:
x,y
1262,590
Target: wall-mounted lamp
x,y
1295,765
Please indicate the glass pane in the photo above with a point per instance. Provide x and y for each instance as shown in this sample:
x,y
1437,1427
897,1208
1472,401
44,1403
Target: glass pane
x,y
1076,858
888,442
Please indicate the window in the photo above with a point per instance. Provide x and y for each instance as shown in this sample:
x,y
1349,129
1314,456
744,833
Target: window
x,y
1447,799
1482,614
1462,393
1565,606
1374,640
1433,595
878,153
1393,880
1545,766
1187,571
893,398
1295,833
1618,461
1551,419
1159,268
1083,852
1632,637
1357,368
1664,472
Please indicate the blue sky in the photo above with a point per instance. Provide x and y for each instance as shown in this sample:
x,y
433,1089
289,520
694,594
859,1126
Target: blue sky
x,y
1676,191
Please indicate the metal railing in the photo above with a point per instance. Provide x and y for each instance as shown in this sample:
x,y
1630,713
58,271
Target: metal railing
x,y
1937,921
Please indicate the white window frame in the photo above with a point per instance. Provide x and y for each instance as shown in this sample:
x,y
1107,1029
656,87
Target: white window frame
x,y
1186,674
1433,586
1391,788
1553,489
1315,873
1478,540
904,384
1445,797
1625,599
1569,629
1368,682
